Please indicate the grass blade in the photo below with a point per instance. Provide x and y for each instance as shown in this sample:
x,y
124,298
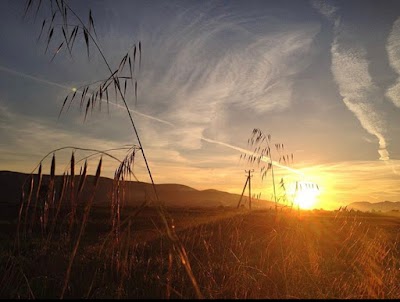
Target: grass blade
x,y
83,97
37,10
30,190
122,63
72,168
53,167
86,35
66,41
49,39
130,68
28,5
98,171
134,57
135,93
62,107
87,108
73,96
108,107
41,30
82,178
57,51
91,23
140,55
73,36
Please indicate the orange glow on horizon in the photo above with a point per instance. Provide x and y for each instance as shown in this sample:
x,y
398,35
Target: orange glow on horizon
x,y
304,194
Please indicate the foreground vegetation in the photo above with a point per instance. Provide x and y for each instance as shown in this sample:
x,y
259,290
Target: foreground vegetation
x,y
60,245
233,254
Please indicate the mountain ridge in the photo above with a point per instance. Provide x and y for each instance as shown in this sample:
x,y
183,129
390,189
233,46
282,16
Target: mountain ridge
x,y
170,194
383,206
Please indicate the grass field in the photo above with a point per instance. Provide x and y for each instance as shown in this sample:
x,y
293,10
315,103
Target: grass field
x,y
72,236
233,254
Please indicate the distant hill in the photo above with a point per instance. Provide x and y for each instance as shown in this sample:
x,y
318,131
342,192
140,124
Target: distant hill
x,y
176,195
384,206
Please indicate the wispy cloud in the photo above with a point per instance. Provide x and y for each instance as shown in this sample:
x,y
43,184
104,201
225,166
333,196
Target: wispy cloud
x,y
325,8
25,140
211,65
360,94
393,51
350,71
19,125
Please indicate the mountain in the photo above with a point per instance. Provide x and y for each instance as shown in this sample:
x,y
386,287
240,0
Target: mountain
x,y
176,195
384,206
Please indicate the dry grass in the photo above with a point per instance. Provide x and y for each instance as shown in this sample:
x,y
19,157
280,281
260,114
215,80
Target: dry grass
x,y
261,255
92,94
239,254
64,250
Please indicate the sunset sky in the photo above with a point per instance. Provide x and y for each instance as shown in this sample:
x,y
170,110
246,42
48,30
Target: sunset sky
x,y
322,77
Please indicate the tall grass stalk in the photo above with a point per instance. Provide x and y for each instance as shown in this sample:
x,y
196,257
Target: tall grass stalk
x,y
262,152
62,9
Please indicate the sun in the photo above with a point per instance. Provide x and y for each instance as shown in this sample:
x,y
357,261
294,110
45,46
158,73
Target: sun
x,y
306,199
304,194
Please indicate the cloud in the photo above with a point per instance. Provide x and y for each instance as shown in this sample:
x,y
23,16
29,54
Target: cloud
x,y
360,94
212,65
325,8
190,140
198,67
350,71
25,140
393,51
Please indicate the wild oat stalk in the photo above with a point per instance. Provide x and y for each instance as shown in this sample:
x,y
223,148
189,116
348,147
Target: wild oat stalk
x,y
93,94
262,156
50,204
82,228
46,201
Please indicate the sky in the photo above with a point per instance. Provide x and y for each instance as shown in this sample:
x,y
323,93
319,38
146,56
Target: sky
x,y
321,77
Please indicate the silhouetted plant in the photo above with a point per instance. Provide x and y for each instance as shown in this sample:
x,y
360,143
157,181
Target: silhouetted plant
x,y
263,158
63,23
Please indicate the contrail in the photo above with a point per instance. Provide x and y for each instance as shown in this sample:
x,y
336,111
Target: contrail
x,y
140,113
263,158
27,76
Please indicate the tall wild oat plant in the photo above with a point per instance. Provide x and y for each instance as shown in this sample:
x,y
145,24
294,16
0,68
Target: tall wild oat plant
x,y
262,157
51,204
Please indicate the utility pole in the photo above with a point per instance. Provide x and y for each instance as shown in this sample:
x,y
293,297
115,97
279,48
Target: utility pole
x,y
248,180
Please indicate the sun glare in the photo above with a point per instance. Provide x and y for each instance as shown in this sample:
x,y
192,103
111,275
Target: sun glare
x,y
304,194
